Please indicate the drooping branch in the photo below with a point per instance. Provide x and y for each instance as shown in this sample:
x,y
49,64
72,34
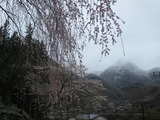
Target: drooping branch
x,y
9,15
65,23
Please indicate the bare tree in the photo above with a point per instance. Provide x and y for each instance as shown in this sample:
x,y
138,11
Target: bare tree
x,y
66,25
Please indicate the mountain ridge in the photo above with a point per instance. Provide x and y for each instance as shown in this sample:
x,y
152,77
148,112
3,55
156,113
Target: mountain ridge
x,y
126,79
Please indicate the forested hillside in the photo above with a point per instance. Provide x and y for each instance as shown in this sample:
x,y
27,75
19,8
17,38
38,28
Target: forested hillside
x,y
33,82
133,83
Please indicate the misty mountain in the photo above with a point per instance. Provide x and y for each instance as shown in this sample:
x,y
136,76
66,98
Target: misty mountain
x,y
111,90
127,80
97,72
124,75
93,76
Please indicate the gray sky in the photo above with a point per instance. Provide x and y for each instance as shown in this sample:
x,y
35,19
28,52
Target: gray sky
x,y
141,37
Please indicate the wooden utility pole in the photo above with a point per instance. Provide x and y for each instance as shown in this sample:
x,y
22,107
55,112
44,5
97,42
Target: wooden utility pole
x,y
142,107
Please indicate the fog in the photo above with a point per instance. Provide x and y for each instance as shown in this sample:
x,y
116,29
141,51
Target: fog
x,y
141,37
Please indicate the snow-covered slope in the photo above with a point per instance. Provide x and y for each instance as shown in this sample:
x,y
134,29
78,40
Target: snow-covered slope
x,y
128,81
124,74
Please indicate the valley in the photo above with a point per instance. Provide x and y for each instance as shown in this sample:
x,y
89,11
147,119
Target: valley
x,y
130,89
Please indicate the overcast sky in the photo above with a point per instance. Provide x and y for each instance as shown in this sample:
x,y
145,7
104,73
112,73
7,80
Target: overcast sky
x,y
141,37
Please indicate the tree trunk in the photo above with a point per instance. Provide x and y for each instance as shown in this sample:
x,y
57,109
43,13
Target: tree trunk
x,y
7,94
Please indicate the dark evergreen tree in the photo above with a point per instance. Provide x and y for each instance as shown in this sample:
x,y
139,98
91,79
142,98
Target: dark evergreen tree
x,y
36,51
11,63
18,61
5,30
